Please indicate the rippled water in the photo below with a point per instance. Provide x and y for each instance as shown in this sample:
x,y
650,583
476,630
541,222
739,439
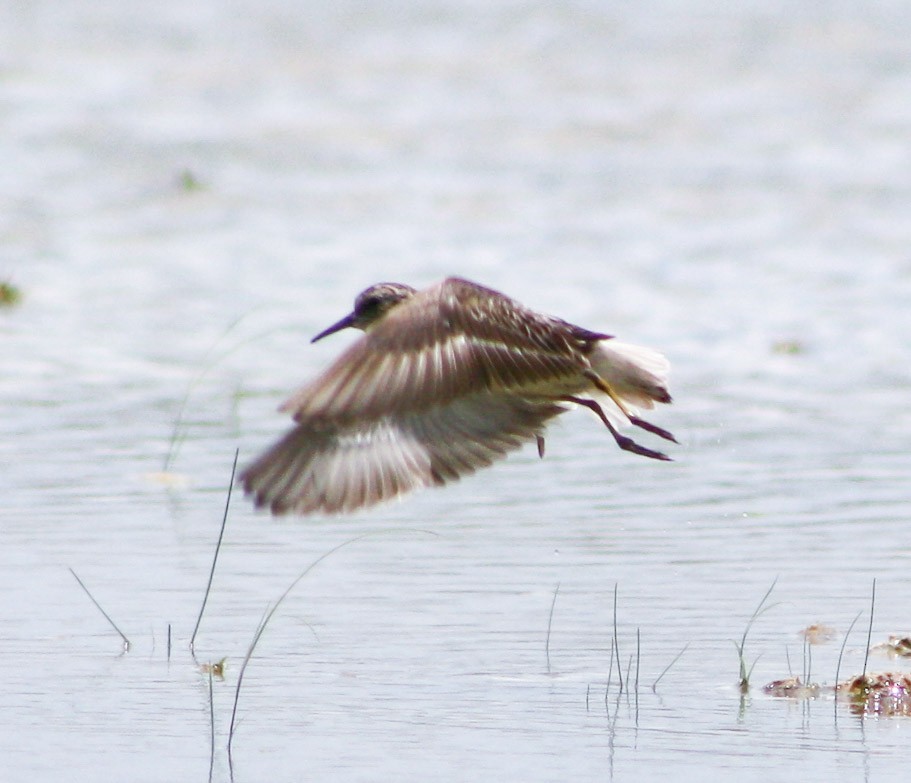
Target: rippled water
x,y
190,191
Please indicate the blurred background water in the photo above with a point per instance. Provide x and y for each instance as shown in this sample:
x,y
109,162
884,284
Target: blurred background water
x,y
189,191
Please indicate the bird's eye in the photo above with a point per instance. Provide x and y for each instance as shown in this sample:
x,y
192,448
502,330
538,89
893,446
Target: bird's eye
x,y
369,305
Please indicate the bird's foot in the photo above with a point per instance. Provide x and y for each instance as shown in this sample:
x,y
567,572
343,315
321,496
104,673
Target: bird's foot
x,y
624,442
628,444
649,427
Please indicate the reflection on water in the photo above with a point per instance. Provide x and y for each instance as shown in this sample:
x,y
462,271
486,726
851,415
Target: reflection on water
x,y
729,185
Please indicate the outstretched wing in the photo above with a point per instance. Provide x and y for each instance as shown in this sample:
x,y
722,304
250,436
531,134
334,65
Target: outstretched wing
x,y
451,340
334,467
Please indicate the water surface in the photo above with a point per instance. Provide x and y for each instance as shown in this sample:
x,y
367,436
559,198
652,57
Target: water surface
x,y
191,191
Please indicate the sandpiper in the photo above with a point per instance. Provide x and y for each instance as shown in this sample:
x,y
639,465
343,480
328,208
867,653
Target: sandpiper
x,y
444,381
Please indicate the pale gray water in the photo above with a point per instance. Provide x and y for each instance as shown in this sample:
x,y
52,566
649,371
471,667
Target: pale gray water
x,y
712,179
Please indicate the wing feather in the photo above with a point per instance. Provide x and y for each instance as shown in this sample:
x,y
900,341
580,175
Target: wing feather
x,y
344,467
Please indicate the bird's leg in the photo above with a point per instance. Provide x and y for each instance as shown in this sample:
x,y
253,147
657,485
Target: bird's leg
x,y
540,441
625,443
633,419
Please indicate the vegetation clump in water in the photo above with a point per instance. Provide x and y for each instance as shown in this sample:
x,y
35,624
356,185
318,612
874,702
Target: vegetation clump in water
x,y
9,294
886,694
896,647
792,688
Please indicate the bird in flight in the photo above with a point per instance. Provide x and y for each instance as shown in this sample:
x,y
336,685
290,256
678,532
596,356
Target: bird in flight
x,y
444,381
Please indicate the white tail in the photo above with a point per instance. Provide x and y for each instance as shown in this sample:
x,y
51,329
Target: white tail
x,y
638,375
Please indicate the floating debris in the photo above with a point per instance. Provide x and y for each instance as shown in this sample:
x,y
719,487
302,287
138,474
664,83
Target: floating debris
x,y
188,182
9,294
792,688
887,694
790,347
896,647
167,479
216,669
818,633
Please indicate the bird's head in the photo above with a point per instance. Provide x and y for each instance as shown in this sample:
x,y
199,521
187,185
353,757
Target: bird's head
x,y
370,306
